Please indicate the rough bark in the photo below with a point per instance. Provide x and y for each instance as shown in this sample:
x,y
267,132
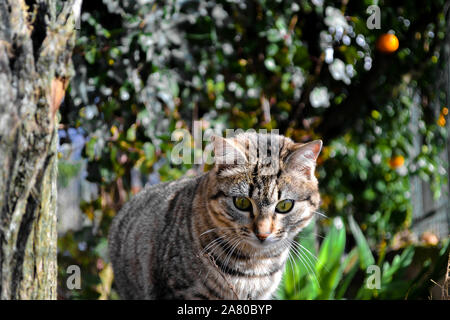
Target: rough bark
x,y
36,41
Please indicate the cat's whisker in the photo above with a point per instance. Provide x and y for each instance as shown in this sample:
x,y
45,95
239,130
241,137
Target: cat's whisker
x,y
214,248
304,248
214,242
305,263
310,235
307,266
240,250
230,252
310,253
227,251
228,257
323,215
311,264
208,231
291,257
218,229
228,246
286,243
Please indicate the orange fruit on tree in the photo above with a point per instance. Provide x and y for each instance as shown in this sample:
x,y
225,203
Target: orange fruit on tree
x,y
430,238
396,162
387,43
441,121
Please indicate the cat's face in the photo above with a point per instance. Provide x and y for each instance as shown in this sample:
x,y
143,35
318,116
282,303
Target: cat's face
x,y
265,188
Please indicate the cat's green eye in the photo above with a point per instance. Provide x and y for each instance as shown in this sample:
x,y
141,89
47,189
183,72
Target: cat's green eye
x,y
242,203
284,206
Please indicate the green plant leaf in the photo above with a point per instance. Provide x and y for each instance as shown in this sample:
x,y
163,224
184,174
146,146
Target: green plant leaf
x,y
365,254
329,267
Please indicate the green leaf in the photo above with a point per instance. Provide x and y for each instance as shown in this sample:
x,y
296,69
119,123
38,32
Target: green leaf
x,y
270,64
333,245
273,35
272,49
399,263
352,258
90,55
365,254
131,133
329,267
149,151
90,148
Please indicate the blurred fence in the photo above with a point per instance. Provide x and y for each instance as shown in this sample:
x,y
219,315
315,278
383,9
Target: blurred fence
x,y
431,214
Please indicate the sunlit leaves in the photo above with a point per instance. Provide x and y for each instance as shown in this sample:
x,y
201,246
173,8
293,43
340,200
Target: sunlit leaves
x,y
144,70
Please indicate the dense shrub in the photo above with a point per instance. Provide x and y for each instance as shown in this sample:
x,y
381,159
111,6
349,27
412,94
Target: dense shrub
x,y
308,68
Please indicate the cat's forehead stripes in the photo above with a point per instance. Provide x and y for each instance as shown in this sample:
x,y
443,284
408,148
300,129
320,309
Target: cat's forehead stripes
x,y
265,155
268,189
270,151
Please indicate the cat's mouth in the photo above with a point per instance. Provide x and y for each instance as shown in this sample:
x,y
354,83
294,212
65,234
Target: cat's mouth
x,y
257,242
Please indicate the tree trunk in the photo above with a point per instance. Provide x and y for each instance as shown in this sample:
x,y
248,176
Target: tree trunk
x,y
36,41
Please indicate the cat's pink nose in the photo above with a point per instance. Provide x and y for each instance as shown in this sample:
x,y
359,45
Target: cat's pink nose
x,y
262,236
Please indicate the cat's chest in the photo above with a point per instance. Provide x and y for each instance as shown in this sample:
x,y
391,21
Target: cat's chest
x,y
261,288
251,280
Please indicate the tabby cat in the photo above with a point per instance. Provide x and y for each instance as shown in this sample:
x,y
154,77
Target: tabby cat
x,y
224,234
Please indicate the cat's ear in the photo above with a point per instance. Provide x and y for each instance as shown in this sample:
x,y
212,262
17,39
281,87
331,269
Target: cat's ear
x,y
228,153
303,157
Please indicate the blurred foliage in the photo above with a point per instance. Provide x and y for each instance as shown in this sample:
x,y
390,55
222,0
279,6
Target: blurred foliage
x,y
330,274
307,68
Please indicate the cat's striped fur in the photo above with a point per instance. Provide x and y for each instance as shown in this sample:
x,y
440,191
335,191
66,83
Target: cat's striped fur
x,y
186,239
